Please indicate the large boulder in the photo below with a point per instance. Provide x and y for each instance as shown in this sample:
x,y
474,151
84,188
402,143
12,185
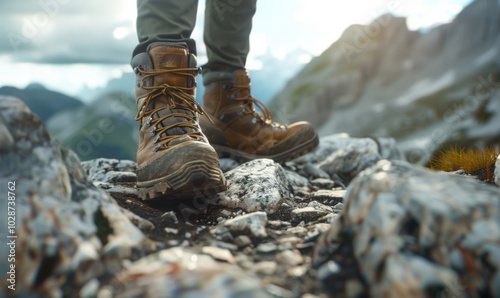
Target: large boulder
x,y
409,232
66,231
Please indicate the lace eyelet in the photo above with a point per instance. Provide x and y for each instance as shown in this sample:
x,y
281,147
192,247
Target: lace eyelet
x,y
140,84
155,140
156,149
152,132
149,121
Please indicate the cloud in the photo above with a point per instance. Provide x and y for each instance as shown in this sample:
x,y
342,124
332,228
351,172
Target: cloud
x,y
67,31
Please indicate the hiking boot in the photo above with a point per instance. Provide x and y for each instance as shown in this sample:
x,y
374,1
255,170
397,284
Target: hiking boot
x,y
174,157
238,131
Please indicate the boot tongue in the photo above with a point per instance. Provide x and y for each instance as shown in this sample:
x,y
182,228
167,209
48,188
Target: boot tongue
x,y
172,56
168,55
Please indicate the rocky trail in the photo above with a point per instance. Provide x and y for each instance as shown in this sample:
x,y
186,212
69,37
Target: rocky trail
x,y
352,219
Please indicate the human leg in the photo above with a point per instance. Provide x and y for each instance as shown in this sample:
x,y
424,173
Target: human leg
x,y
237,129
174,158
227,30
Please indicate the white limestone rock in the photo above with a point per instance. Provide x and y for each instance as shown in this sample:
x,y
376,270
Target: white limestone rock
x,y
69,231
414,232
177,272
253,223
258,185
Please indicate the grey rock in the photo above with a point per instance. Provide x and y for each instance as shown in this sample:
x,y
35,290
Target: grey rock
x,y
338,208
320,207
171,231
385,147
299,231
111,170
264,268
242,241
408,219
307,213
253,223
227,164
331,196
219,254
170,216
388,149
258,185
349,161
224,245
297,181
177,272
265,248
323,183
322,227
289,258
71,231
313,171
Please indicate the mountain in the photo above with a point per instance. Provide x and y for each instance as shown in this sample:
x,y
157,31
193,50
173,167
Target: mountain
x,y
103,128
427,90
45,103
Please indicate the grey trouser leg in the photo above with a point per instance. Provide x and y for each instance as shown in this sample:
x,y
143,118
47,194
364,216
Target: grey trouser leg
x,y
165,20
227,30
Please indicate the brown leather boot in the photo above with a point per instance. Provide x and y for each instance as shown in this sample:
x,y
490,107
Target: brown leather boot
x,y
174,157
237,130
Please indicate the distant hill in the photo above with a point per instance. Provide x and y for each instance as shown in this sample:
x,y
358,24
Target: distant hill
x,y
45,103
266,82
428,90
104,128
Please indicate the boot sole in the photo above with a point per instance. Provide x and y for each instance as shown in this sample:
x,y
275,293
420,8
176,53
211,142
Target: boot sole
x,y
194,178
281,158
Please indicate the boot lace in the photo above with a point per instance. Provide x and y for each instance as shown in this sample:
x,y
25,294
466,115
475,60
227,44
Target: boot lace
x,y
249,101
183,101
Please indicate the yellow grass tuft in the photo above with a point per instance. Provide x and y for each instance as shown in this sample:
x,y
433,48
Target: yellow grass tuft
x,y
477,162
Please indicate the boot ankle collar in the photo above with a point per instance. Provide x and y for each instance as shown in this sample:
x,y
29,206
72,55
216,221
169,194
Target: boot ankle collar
x,y
217,76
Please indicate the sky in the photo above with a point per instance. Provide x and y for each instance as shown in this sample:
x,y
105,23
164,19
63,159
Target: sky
x,y
71,45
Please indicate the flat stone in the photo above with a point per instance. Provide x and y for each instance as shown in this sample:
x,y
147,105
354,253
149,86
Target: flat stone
x,y
297,230
319,206
218,253
264,268
323,183
327,195
265,248
307,213
289,258
176,272
171,231
242,241
254,223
